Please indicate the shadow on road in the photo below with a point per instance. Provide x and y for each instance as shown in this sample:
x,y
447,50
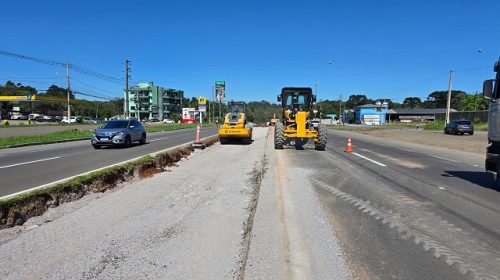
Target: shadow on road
x,y
481,179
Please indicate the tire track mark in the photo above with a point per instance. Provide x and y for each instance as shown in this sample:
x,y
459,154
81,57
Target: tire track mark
x,y
415,227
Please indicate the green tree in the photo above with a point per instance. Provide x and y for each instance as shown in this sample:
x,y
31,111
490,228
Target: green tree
x,y
438,100
262,111
412,103
357,100
474,102
55,91
11,89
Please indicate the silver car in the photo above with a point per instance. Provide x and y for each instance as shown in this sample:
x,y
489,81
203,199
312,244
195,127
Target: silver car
x,y
119,133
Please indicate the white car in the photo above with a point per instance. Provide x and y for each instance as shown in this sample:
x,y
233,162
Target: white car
x,y
65,120
168,121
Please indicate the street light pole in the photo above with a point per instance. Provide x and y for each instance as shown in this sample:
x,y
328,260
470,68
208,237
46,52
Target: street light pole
x,y
213,100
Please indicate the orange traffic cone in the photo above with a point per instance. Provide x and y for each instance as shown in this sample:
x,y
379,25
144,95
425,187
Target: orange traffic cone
x,y
198,134
197,144
349,146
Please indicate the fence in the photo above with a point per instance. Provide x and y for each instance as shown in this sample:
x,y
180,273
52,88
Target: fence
x,y
475,116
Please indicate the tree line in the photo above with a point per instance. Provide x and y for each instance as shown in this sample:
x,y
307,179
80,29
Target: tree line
x,y
257,111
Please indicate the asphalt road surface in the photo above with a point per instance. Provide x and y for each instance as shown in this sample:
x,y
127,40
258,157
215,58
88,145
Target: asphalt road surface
x,y
388,210
407,211
27,167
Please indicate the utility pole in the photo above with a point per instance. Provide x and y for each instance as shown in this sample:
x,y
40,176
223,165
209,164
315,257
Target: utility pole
x,y
68,93
340,109
475,102
449,97
127,76
209,105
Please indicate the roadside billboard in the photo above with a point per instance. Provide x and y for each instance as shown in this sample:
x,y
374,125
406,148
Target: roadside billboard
x,y
220,90
188,115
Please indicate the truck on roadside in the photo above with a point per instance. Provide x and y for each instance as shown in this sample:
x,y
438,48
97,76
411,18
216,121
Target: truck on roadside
x,y
491,91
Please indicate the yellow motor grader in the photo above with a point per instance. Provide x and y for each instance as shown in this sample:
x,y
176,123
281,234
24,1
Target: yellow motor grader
x,y
299,121
235,126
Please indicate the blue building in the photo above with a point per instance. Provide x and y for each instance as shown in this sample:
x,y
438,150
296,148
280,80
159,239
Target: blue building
x,y
371,114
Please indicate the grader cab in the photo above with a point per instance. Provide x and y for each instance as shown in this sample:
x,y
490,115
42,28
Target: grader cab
x,y
298,123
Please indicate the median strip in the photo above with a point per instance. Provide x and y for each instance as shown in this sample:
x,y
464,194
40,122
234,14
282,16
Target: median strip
x,y
15,209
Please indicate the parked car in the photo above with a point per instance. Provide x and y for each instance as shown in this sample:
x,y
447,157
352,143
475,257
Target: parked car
x,y
34,116
88,120
168,121
119,133
459,127
19,117
45,119
65,120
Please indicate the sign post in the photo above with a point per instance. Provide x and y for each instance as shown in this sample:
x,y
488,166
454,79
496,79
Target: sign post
x,y
202,107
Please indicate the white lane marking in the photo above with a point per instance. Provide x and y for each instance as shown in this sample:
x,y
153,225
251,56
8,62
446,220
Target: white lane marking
x,y
3,155
375,153
408,150
38,151
446,159
88,172
28,162
369,159
163,138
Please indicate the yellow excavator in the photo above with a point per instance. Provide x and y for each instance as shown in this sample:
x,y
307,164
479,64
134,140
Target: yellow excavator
x,y
235,126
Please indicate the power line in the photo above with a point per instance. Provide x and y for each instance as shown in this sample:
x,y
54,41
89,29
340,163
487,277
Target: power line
x,y
39,60
91,95
30,78
26,81
96,75
472,68
61,64
90,91
93,87
421,82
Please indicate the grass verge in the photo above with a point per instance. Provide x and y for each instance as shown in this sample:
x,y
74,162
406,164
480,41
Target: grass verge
x,y
75,134
45,138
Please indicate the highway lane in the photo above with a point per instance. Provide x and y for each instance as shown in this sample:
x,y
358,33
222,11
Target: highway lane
x,y
406,211
27,167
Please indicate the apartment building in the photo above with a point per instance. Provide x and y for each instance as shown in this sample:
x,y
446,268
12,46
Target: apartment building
x,y
148,101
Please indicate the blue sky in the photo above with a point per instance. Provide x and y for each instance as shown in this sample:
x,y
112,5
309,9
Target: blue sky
x,y
383,49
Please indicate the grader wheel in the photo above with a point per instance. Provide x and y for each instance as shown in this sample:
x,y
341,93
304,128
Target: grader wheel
x,y
279,135
320,145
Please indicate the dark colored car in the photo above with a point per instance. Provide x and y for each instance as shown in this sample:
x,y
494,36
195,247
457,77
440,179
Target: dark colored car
x,y
119,133
459,127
